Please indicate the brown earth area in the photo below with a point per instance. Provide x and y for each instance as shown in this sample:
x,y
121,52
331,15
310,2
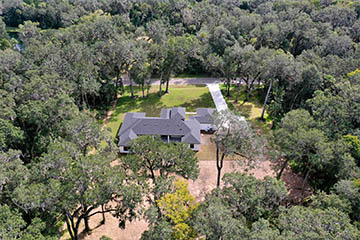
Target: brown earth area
x,y
199,188
204,184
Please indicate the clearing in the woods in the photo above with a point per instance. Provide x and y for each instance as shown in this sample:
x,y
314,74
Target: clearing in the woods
x,y
191,97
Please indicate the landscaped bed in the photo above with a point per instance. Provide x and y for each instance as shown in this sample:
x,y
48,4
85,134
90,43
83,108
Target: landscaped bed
x,y
188,96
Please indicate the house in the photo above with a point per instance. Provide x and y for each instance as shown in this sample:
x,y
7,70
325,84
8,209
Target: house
x,y
171,126
204,117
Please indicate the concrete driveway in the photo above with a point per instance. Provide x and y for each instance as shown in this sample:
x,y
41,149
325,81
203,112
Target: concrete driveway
x,y
217,96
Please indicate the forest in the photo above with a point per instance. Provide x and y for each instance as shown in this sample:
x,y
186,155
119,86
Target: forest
x,y
63,62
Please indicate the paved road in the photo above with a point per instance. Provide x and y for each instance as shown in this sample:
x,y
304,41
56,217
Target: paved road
x,y
217,96
183,81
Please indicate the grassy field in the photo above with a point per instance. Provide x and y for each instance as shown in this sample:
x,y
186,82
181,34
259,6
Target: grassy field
x,y
189,96
250,110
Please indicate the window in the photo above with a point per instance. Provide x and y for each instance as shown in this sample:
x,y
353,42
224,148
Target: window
x,y
126,149
164,138
175,138
192,146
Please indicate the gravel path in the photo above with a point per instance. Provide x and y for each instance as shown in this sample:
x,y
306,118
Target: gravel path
x,y
217,96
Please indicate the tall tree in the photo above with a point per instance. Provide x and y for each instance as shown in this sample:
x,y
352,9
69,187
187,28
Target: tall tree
x,y
307,223
253,198
153,165
280,69
76,186
234,137
214,220
227,213
249,64
177,51
140,73
224,66
178,206
13,226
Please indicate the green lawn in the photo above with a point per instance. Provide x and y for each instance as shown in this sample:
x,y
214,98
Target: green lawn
x,y
250,110
189,96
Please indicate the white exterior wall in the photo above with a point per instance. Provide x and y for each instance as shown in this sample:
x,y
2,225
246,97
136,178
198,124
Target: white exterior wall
x,y
196,147
206,127
122,150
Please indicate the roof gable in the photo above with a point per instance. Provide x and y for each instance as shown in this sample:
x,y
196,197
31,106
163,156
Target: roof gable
x,y
170,123
177,113
204,115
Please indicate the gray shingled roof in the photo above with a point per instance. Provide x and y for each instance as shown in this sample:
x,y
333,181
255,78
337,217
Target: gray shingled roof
x,y
178,113
171,122
165,113
203,115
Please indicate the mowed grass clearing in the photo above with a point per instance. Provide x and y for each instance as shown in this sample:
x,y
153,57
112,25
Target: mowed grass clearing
x,y
251,110
188,96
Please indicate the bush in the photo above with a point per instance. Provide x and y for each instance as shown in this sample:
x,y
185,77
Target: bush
x,y
105,238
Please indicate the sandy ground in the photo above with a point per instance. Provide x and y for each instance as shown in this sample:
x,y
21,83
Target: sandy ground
x,y
204,184
199,188
109,113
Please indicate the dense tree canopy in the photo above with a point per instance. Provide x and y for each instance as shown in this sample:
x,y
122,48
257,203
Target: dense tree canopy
x,y
59,60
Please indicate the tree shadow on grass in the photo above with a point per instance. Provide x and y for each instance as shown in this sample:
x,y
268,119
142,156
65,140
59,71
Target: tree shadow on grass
x,y
187,86
204,101
245,110
151,105
127,104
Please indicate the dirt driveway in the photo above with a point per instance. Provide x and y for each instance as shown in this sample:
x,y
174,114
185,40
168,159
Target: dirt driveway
x,y
204,184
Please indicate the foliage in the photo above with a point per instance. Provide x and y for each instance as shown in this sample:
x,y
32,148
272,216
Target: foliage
x,y
179,207
253,198
234,136
306,223
152,164
311,152
214,220
349,191
243,201
50,185
325,201
59,60
12,226
354,141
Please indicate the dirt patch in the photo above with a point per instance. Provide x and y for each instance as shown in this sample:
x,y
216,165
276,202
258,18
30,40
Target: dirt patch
x,y
294,183
205,183
207,148
109,113
111,229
